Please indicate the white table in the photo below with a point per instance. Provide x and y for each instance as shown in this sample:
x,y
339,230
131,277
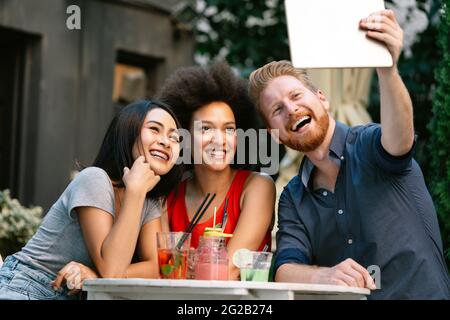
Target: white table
x,y
160,289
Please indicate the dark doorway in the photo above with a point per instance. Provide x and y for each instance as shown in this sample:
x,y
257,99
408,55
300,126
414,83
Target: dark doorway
x,y
12,55
19,87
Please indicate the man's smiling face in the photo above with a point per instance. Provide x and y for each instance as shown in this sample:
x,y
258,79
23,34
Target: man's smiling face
x,y
299,114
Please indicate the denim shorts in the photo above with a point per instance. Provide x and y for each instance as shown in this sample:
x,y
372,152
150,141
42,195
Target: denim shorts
x,y
22,281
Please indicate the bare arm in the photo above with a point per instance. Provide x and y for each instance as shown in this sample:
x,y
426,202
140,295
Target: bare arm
x,y
148,265
347,273
254,221
290,272
397,127
74,273
112,245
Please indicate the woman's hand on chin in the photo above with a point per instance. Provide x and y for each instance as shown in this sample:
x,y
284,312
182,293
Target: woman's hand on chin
x,y
140,178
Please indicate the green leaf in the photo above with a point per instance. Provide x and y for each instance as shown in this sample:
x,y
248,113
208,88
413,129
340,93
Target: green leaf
x,y
166,269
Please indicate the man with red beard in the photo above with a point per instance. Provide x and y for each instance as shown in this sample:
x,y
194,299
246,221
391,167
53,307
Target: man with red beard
x,y
359,199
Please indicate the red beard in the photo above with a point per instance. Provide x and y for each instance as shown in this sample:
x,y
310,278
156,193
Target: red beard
x,y
313,138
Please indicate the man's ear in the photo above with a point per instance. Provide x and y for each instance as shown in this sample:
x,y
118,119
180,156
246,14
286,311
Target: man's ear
x,y
275,134
324,99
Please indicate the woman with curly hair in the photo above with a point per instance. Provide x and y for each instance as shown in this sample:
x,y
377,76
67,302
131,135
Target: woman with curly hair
x,y
212,103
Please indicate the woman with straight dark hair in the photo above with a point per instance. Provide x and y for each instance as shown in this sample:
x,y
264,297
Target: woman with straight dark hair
x,y
107,213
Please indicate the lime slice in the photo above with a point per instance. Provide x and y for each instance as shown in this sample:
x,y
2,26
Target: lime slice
x,y
215,232
242,257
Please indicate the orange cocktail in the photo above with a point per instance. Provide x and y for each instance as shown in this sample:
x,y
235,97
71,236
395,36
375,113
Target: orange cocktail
x,y
173,253
172,264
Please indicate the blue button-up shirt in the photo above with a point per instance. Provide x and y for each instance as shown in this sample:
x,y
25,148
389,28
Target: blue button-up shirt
x,y
381,215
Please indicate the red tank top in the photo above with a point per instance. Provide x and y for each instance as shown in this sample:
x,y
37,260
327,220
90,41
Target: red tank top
x,y
179,220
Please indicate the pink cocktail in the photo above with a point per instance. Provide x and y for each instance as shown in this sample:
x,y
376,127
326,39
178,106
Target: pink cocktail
x,y
211,271
211,259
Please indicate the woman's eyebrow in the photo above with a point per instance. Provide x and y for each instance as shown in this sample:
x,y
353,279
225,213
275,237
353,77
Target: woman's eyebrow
x,y
156,122
161,125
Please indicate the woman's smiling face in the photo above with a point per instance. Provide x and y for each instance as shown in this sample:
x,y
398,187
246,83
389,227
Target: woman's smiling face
x,y
158,141
213,129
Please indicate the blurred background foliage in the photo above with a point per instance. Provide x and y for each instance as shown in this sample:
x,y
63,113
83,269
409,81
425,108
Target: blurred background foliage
x,y
17,223
250,33
439,127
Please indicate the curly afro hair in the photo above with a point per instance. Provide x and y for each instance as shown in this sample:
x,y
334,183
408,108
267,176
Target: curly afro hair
x,y
190,88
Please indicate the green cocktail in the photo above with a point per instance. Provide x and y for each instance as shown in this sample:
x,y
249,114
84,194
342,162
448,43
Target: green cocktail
x,y
254,274
253,265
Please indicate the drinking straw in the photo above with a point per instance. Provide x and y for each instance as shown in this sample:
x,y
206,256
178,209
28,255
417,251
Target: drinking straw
x,y
200,215
260,256
214,221
185,235
197,216
199,209
225,215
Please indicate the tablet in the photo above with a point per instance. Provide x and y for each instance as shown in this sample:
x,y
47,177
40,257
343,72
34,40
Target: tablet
x,y
326,34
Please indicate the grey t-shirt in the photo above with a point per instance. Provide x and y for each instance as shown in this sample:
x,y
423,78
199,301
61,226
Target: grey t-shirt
x,y
59,238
